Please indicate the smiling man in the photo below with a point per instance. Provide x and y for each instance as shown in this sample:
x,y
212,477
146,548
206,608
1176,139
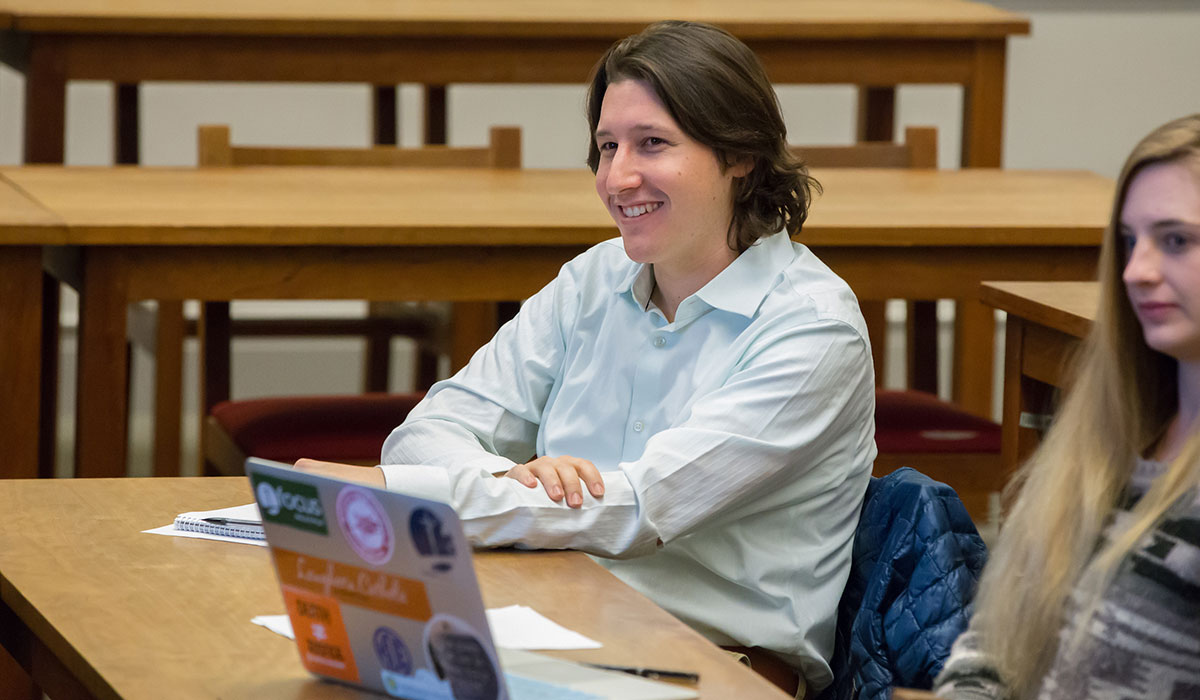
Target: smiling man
x,y
692,402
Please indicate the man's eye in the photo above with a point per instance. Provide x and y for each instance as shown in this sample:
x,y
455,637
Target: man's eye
x,y
606,146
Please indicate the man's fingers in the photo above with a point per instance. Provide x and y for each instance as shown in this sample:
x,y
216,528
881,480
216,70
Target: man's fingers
x,y
545,471
562,477
522,474
569,476
590,475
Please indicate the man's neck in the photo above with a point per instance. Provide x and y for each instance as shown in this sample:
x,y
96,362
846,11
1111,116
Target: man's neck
x,y
671,287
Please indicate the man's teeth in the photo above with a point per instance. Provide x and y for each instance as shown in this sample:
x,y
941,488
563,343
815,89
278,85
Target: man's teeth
x,y
640,209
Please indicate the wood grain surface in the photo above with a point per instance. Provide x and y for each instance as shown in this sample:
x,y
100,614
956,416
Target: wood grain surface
x,y
136,616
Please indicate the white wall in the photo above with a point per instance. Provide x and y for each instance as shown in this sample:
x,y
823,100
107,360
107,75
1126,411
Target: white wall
x,y
1093,77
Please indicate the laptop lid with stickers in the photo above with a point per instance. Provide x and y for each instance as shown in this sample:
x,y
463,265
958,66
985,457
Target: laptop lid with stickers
x,y
381,592
379,586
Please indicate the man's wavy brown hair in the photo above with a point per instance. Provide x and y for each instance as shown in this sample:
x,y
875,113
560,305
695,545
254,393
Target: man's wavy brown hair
x,y
717,90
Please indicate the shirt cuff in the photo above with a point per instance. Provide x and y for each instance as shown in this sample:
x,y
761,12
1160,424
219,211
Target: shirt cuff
x,y
422,481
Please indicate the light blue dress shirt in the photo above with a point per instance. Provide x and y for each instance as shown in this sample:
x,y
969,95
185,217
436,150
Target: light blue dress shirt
x,y
735,443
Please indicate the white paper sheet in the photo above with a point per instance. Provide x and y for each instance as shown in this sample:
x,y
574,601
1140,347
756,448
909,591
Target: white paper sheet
x,y
522,627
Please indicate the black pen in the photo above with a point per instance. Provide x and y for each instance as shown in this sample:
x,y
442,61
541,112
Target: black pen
x,y
655,673
232,521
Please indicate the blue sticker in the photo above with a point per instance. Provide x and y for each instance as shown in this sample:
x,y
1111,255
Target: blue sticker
x,y
427,534
422,685
391,651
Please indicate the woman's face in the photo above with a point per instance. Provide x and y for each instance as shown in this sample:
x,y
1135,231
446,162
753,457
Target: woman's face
x,y
667,192
1160,225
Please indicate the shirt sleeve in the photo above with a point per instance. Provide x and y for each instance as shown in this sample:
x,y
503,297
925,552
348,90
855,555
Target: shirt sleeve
x,y
969,674
485,418
802,398
795,418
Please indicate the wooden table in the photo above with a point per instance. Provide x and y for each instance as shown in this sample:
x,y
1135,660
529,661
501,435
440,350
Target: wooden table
x,y
877,44
1046,322
316,233
99,609
25,227
298,233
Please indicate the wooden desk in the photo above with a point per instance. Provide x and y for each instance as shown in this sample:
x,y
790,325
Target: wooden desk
x,y
25,226
102,610
297,233
873,43
1046,322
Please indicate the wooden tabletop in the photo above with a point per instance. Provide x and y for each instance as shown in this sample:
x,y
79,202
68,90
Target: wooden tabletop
x,y
371,207
1046,323
878,44
134,616
26,221
1069,307
483,235
796,19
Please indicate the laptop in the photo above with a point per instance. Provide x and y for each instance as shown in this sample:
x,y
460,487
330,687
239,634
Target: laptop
x,y
381,592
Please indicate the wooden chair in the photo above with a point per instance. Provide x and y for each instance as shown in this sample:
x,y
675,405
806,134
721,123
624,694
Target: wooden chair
x,y
384,319
913,427
428,324
918,150
347,429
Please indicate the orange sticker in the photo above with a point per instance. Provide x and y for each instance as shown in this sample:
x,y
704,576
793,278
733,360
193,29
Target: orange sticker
x,y
321,635
354,585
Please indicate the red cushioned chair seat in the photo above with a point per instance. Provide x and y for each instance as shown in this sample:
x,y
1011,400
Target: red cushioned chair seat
x,y
350,428
914,421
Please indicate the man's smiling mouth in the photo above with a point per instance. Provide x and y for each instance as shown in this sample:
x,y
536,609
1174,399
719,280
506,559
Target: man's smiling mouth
x,y
636,211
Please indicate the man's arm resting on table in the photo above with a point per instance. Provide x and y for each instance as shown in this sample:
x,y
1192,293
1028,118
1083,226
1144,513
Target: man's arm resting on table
x,y
371,476
503,512
562,477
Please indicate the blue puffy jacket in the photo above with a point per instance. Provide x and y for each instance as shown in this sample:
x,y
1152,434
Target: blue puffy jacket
x,y
917,558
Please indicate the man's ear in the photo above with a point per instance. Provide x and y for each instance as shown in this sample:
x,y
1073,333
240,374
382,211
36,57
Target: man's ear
x,y
741,168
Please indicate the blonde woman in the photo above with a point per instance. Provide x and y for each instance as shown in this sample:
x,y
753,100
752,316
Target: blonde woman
x,y
1094,588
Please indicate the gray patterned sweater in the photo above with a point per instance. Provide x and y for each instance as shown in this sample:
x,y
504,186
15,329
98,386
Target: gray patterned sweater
x,y
1144,641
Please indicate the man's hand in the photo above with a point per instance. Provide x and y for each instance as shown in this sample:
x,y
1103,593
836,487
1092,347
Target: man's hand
x,y
560,476
371,476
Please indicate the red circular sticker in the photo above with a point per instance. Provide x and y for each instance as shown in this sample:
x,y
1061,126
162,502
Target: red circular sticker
x,y
365,524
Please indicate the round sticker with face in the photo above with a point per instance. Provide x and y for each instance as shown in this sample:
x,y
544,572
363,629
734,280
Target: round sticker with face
x,y
365,525
459,658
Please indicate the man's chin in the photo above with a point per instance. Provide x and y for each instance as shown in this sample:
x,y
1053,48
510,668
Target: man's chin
x,y
635,249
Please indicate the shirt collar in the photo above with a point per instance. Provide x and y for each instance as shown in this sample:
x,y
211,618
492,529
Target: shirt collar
x,y
638,284
741,287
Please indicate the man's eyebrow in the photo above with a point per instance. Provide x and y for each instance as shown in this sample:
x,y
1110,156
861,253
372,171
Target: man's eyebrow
x,y
605,133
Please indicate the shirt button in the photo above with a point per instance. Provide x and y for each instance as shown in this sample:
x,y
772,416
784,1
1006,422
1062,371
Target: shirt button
x,y
637,426
659,341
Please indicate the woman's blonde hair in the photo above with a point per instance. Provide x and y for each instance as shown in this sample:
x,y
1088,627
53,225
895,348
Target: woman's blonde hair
x,y
1121,400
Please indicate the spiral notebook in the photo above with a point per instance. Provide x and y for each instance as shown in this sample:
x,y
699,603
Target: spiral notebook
x,y
244,522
